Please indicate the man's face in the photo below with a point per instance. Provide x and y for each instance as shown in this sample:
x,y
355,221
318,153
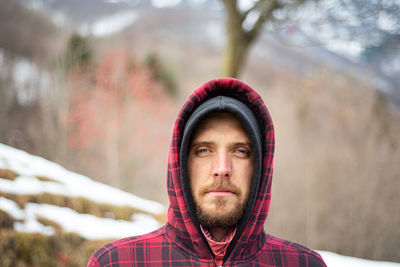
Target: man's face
x,y
220,164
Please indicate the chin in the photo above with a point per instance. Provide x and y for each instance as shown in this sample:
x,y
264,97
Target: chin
x,y
220,213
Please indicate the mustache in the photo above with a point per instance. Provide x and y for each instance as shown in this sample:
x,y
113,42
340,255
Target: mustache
x,y
220,185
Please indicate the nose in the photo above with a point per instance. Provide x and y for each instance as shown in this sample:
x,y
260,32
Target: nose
x,y
222,165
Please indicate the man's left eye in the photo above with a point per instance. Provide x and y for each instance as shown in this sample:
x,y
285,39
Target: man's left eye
x,y
241,151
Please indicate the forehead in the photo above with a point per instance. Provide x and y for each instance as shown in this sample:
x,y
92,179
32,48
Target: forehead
x,y
219,122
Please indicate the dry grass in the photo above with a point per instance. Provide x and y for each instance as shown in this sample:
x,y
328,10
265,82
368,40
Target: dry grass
x,y
79,204
57,228
8,174
46,179
22,249
6,220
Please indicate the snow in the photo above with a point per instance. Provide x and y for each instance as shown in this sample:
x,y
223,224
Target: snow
x,y
29,224
110,24
164,3
28,79
90,226
11,208
335,260
86,225
67,183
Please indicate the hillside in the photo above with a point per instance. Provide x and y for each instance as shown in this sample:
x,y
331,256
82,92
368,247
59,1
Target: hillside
x,y
50,216
43,197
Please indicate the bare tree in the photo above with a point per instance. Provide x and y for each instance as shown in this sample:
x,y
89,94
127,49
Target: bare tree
x,y
241,35
367,23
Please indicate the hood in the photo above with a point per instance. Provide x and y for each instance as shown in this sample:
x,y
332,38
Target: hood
x,y
187,233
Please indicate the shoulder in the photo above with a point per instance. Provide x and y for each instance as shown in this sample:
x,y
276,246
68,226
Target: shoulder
x,y
121,249
294,253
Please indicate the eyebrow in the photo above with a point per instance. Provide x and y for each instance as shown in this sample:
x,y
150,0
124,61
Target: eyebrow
x,y
201,143
205,143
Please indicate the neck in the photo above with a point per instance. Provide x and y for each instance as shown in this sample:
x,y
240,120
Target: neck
x,y
218,233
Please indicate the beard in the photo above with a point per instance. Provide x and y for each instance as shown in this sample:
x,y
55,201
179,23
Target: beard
x,y
224,212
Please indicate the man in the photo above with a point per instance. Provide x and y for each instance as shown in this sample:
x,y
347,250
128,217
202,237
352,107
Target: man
x,y
219,187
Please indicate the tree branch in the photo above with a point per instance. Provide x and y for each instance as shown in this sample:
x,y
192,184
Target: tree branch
x,y
266,10
257,5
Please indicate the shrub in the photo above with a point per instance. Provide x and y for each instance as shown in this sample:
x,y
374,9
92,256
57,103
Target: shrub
x,y
6,220
160,73
22,249
78,53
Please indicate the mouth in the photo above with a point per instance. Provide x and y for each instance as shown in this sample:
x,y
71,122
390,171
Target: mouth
x,y
220,192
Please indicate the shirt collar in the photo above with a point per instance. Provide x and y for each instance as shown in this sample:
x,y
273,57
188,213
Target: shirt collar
x,y
219,247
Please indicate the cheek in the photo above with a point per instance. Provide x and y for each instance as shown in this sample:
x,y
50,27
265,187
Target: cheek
x,y
245,168
196,172
245,173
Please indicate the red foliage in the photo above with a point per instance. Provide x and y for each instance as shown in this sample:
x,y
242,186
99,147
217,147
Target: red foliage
x,y
63,259
116,108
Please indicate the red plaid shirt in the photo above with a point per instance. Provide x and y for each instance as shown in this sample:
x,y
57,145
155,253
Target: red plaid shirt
x,y
180,242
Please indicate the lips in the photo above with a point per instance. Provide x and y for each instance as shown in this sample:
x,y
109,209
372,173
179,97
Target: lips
x,y
221,193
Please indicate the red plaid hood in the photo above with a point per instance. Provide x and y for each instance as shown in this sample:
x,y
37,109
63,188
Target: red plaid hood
x,y
180,242
186,233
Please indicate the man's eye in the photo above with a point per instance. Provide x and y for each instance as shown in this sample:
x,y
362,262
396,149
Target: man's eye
x,y
242,151
202,151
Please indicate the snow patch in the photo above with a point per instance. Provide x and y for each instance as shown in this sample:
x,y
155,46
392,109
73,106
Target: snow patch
x,y
70,184
110,24
11,208
164,3
29,81
29,222
86,225
335,260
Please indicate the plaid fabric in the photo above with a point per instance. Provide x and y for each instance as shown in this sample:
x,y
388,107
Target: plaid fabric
x,y
179,242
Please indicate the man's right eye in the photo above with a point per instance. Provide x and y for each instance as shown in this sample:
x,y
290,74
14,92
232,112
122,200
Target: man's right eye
x,y
202,151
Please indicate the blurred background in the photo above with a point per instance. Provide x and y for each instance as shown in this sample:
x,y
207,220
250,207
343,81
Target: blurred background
x,y
96,85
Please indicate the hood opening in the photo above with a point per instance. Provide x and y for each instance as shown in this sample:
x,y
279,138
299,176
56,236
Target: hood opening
x,y
251,124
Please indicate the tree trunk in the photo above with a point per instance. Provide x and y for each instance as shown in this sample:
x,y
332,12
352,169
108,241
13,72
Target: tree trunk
x,y
238,38
236,46
235,54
